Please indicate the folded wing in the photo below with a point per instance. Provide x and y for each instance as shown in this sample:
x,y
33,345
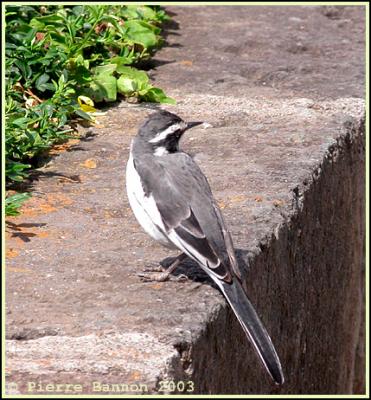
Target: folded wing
x,y
194,223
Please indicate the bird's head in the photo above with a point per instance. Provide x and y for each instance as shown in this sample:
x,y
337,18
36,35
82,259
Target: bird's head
x,y
163,130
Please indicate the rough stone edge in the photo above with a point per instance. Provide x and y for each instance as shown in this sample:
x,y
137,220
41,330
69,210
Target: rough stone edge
x,y
180,368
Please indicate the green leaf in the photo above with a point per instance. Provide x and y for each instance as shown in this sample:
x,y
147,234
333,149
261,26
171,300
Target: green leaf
x,y
41,83
35,138
135,11
144,12
132,80
139,79
37,24
15,170
52,19
83,115
26,71
126,86
102,87
21,122
122,60
142,33
10,46
105,69
13,203
157,95
133,73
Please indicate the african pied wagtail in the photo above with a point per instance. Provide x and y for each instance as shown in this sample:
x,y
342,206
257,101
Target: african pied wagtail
x,y
172,200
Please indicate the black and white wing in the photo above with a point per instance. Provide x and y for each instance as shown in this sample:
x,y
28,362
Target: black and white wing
x,y
188,212
193,222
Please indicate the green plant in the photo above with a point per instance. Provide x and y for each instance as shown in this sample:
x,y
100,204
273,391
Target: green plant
x,y
55,55
13,203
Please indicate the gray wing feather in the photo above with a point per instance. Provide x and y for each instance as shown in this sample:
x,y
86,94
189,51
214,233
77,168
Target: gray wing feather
x,y
185,202
186,205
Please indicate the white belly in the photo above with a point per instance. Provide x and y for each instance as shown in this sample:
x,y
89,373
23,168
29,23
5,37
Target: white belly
x,y
144,208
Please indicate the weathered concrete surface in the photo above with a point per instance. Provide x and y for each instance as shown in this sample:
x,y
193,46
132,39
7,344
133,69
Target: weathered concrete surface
x,y
286,163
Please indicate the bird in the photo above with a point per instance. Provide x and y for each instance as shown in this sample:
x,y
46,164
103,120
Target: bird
x,y
173,202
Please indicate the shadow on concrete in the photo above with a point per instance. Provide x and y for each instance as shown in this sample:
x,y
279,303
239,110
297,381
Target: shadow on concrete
x,y
17,230
152,64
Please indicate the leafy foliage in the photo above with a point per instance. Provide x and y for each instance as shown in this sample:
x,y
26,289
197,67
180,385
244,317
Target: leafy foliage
x,y
56,55
12,203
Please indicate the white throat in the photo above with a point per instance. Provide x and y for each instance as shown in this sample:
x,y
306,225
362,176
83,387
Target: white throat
x,y
160,151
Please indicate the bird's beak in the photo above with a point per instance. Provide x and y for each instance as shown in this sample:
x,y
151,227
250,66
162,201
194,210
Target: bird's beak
x,y
192,124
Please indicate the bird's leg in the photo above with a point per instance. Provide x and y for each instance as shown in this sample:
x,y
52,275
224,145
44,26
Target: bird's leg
x,y
164,275
154,267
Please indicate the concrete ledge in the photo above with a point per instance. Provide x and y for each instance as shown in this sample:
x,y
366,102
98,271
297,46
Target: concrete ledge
x,y
310,272
304,231
101,362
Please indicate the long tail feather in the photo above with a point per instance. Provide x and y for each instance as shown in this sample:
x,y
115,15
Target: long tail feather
x,y
253,328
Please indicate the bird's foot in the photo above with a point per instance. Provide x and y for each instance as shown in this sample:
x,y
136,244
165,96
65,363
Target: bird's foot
x,y
156,276
154,273
157,273
154,267
161,274
161,277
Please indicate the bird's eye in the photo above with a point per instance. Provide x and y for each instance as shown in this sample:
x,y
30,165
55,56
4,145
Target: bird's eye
x,y
174,130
